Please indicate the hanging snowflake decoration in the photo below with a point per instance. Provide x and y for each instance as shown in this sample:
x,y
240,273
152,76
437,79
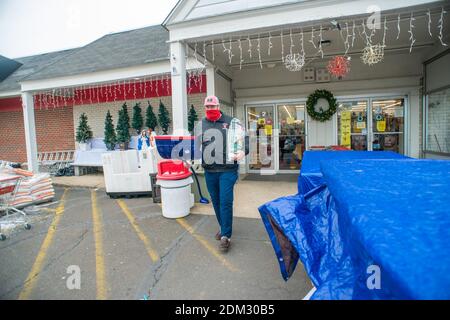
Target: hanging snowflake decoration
x,y
294,61
372,54
339,66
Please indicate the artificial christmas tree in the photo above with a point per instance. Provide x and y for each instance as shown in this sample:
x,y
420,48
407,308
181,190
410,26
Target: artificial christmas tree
x,y
110,134
150,118
192,118
125,111
138,121
163,117
123,128
84,133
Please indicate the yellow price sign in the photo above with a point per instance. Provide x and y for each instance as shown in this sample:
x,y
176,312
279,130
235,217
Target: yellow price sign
x,y
346,116
381,125
346,131
360,125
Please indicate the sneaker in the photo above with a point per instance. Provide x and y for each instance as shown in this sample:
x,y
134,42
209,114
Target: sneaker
x,y
224,244
218,236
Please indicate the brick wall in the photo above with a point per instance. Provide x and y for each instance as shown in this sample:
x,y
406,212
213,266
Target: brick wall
x,y
56,128
12,138
54,131
97,112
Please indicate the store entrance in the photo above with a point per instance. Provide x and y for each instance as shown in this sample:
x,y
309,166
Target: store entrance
x,y
279,131
279,137
260,126
291,136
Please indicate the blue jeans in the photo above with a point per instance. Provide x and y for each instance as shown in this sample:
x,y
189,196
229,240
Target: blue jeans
x,y
220,186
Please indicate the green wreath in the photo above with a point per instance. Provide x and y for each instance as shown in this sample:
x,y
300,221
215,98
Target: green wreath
x,y
322,115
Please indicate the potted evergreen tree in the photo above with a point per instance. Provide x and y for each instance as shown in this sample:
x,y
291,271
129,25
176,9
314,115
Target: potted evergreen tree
x,y
163,117
123,128
192,118
137,122
150,118
84,133
110,134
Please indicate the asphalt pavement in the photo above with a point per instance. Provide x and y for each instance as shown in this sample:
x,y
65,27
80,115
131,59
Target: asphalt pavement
x,y
88,246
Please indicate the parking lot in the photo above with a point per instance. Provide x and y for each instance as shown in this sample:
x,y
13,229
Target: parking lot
x,y
125,249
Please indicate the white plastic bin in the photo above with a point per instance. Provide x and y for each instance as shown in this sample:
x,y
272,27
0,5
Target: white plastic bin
x,y
128,172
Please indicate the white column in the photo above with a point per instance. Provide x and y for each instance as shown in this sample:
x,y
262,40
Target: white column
x,y
30,131
179,93
412,147
210,81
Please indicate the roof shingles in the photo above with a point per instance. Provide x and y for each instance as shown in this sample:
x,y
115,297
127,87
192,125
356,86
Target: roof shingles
x,y
118,50
112,51
30,65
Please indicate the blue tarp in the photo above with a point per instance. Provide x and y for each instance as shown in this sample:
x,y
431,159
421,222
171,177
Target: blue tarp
x,y
392,214
310,175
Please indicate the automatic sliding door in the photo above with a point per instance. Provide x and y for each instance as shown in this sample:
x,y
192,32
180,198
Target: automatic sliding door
x,y
291,139
352,124
260,124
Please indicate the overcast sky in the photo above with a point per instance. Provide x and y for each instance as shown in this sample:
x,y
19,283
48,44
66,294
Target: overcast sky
x,y
29,27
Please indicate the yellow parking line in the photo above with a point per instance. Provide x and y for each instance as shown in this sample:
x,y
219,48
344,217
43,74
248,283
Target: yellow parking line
x,y
207,245
99,256
31,280
153,254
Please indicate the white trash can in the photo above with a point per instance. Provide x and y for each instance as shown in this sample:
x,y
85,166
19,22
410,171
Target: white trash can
x,y
176,197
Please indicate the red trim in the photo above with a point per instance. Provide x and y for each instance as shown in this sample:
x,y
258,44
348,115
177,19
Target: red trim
x,y
10,104
7,189
174,138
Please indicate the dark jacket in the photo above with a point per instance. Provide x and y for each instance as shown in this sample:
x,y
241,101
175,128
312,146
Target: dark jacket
x,y
207,138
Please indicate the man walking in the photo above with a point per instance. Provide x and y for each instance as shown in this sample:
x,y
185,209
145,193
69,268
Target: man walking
x,y
222,141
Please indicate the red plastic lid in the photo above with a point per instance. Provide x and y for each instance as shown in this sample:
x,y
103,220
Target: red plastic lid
x,y
340,148
174,138
172,170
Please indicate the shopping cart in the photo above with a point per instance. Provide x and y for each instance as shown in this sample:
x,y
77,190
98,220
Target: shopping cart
x,y
9,185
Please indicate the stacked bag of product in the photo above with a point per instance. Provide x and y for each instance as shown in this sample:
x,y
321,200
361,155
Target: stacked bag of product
x,y
40,187
33,188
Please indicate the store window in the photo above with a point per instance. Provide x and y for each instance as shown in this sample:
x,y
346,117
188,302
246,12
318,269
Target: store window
x,y
372,124
388,125
352,124
438,122
437,106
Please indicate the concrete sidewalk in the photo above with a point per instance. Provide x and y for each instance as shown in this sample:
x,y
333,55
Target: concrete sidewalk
x,y
86,181
248,195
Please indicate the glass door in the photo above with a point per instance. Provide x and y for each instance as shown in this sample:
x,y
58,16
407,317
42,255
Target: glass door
x,y
352,124
260,125
291,136
388,125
